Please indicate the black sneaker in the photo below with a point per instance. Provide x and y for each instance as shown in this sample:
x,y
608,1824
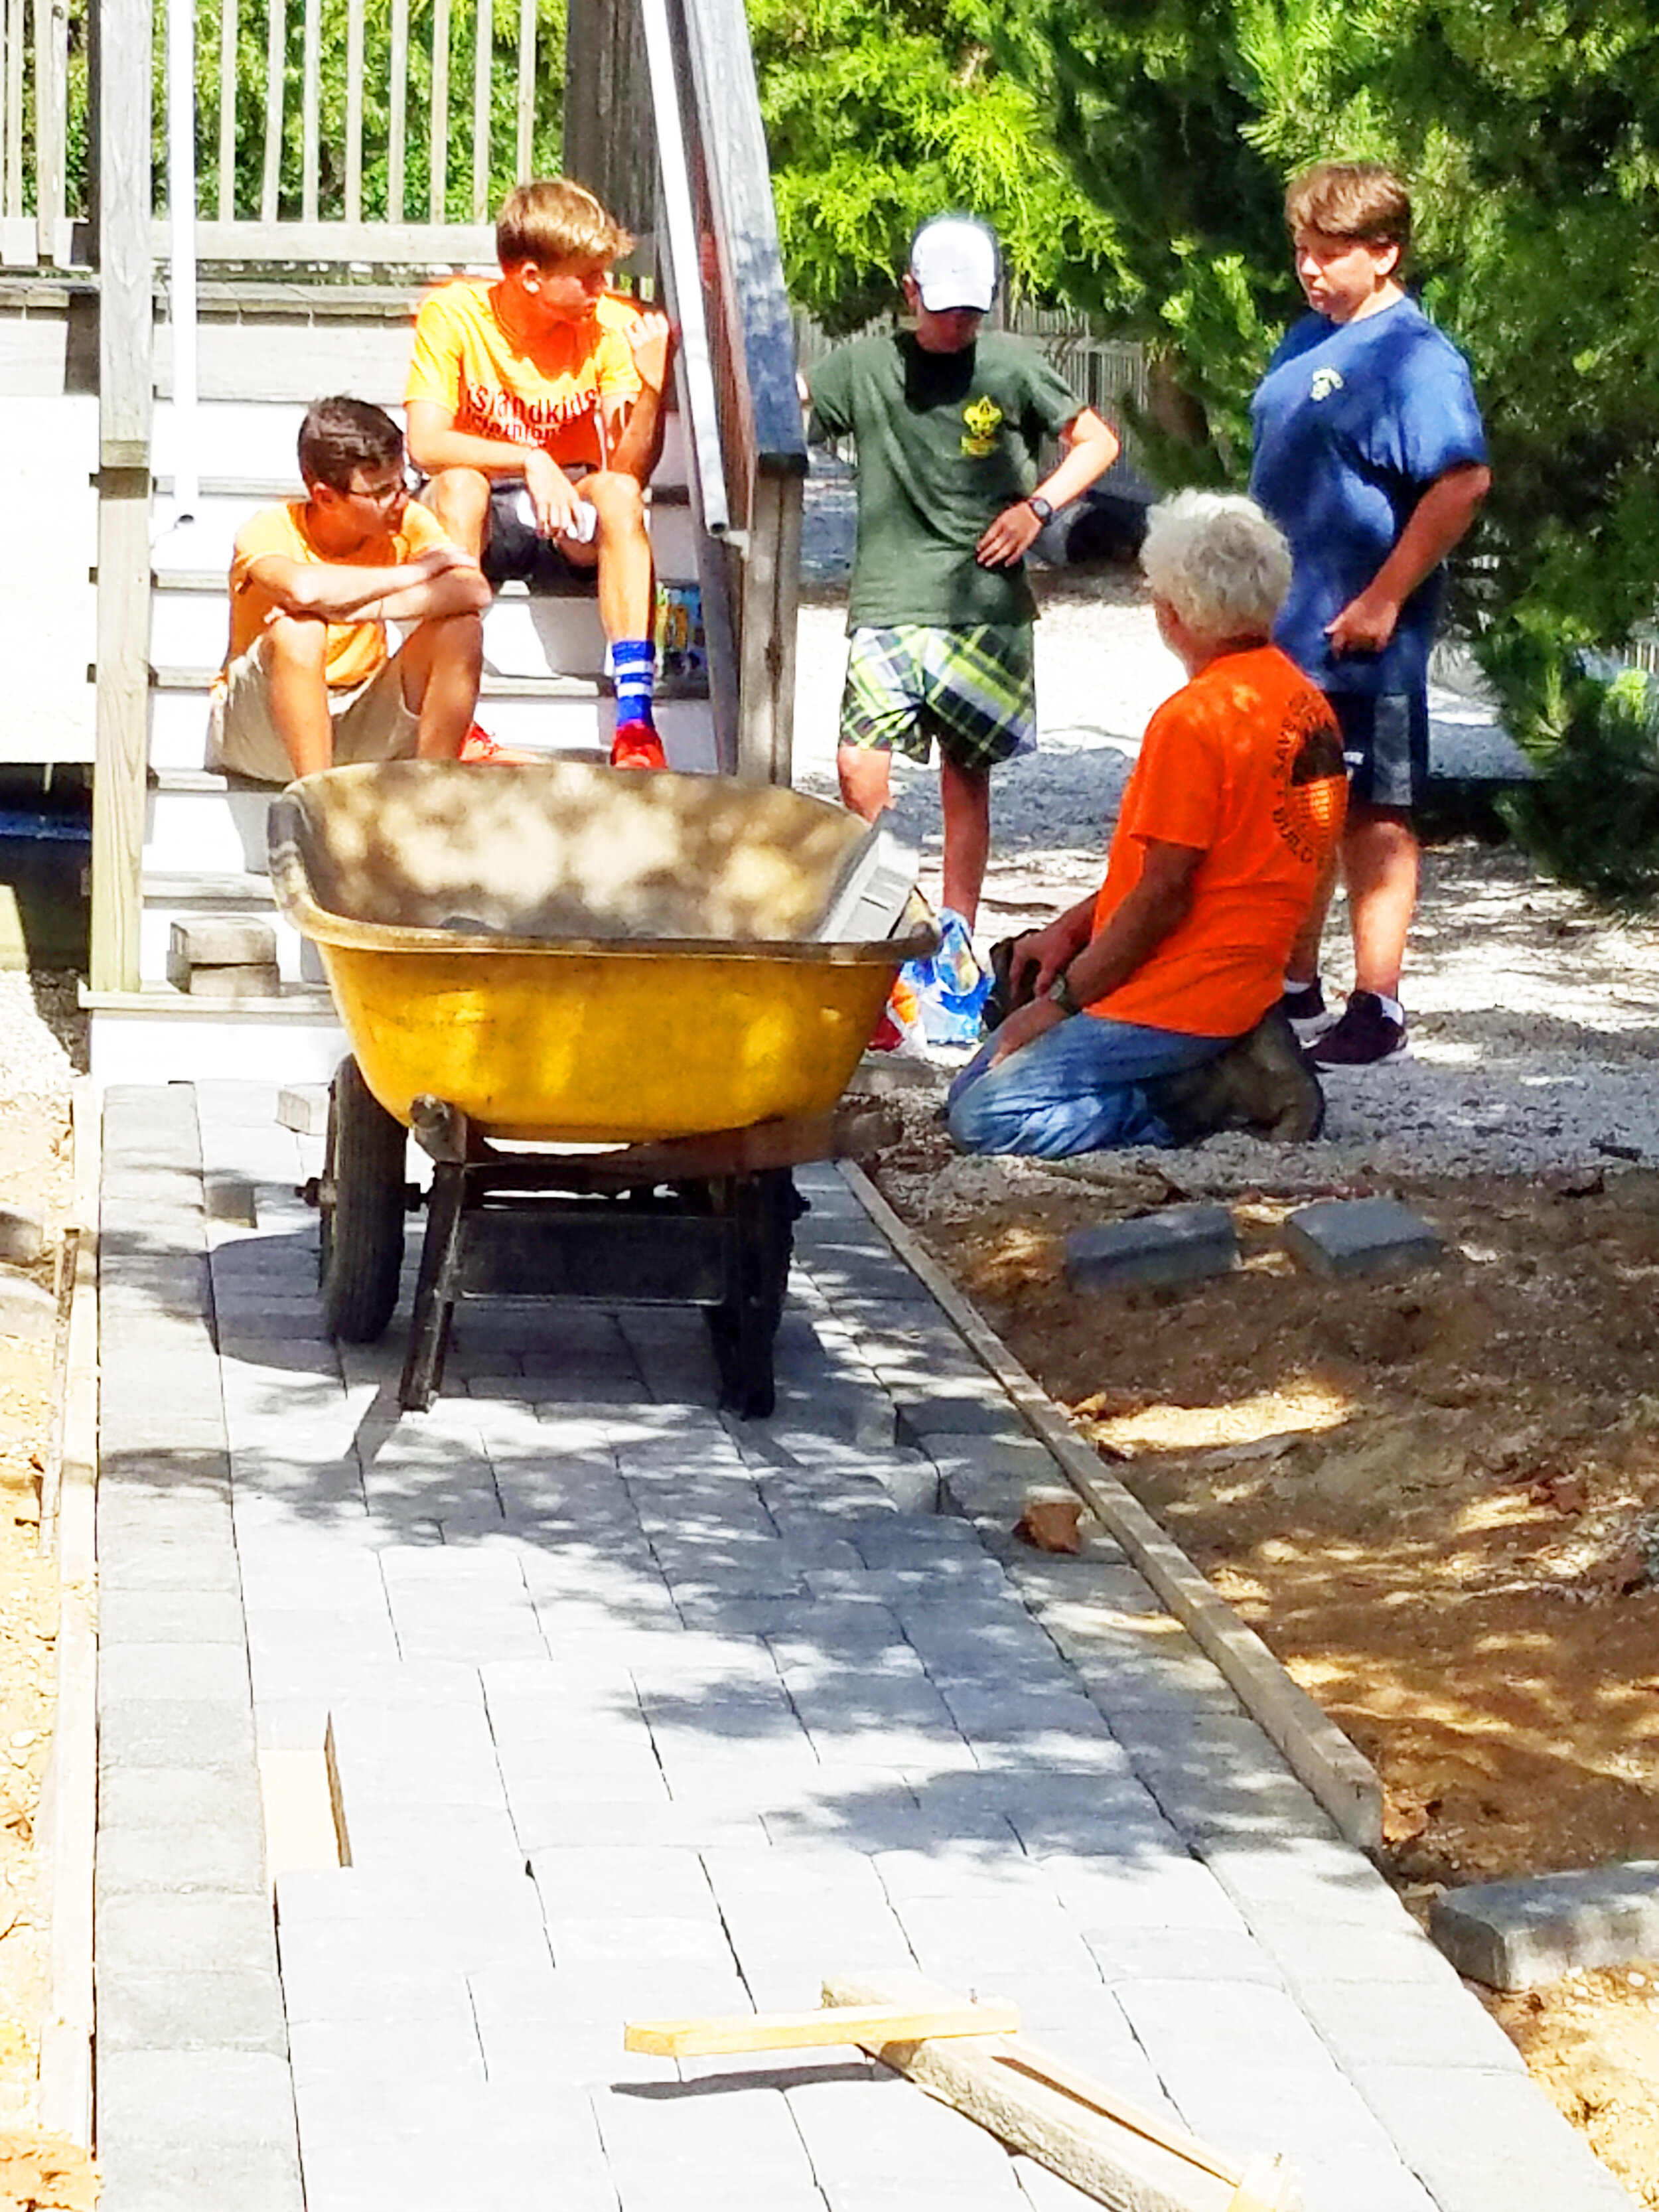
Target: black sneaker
x,y
1363,1035
1264,1083
1304,1006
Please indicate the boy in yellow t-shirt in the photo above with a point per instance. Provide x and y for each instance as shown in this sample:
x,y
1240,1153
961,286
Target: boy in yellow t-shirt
x,y
308,680
533,406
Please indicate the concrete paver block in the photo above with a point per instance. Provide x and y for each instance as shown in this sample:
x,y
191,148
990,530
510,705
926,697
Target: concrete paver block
x,y
180,2099
207,1854
1342,1237
214,941
22,1235
183,1932
1178,1244
1512,1935
254,2177
194,2011
26,1306
303,1107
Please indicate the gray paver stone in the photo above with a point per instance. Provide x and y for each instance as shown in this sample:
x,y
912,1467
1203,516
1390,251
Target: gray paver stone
x,y
1512,1935
262,2177
191,2012
1340,1238
304,1109
219,941
1178,1244
184,1932
173,1732
213,1854
22,1235
181,2099
25,1305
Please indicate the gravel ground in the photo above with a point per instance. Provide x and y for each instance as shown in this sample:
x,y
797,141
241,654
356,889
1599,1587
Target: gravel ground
x,y
42,1036
1534,1021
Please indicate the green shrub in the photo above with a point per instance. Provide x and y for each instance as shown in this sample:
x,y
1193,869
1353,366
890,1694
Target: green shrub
x,y
1590,724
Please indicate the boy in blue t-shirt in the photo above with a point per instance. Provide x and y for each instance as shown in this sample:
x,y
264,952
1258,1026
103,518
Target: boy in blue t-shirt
x,y
1370,457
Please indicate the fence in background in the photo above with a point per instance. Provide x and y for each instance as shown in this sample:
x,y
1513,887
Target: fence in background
x,y
43,185
1102,372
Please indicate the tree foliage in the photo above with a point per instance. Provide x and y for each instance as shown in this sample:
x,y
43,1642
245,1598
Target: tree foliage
x,y
1530,132
252,94
881,113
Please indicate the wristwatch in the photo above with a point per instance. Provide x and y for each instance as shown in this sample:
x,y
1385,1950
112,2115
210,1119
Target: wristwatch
x,y
1040,507
1064,997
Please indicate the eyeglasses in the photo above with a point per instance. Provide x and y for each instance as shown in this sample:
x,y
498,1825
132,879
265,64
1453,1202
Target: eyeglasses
x,y
383,494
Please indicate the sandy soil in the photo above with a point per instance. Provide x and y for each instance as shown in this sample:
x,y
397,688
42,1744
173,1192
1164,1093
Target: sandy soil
x,y
1436,1498
34,1148
42,1042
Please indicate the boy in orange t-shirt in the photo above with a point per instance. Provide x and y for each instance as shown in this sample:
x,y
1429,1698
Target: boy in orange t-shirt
x,y
533,406
309,680
1149,1013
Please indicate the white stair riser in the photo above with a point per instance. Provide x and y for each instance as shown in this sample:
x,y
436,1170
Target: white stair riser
x,y
179,724
296,960
522,637
206,832
249,438
143,1047
243,439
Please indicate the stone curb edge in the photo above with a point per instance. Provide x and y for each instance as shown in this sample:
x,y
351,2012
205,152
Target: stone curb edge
x,y
64,2102
1344,1782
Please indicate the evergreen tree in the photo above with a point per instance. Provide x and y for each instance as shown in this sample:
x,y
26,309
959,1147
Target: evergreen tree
x,y
881,113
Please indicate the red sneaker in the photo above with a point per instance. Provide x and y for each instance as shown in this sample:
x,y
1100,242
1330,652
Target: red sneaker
x,y
636,744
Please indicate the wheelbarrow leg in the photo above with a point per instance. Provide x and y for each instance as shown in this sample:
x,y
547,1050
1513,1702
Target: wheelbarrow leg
x,y
434,1288
760,1216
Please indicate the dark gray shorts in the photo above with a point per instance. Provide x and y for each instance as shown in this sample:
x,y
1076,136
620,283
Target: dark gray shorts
x,y
515,552
1385,743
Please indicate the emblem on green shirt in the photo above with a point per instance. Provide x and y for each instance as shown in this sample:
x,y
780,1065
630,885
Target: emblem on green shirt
x,y
981,419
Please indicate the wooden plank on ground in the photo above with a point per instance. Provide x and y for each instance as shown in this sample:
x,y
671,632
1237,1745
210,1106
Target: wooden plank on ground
x,y
798,2031
1127,2160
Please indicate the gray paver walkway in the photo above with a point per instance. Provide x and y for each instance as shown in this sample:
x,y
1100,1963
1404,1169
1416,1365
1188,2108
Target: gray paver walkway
x,y
636,1711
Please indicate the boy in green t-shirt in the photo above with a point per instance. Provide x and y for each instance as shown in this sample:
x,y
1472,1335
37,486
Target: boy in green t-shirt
x,y
948,421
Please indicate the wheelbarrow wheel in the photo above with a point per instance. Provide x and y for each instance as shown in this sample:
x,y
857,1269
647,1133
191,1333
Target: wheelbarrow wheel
x,y
763,1209
361,1244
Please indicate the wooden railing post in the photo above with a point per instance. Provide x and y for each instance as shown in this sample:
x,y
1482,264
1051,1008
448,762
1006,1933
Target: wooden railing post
x,y
125,385
607,109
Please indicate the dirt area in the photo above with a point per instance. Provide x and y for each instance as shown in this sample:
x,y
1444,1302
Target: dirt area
x,y
1436,1498
34,1148
37,1021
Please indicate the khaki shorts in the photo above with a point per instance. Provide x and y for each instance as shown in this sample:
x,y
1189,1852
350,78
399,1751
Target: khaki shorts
x,y
371,722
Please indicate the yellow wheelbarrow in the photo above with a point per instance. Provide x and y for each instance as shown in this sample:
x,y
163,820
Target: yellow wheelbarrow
x,y
606,1005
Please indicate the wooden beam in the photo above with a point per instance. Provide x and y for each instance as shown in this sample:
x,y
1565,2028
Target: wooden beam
x,y
798,2031
609,140
125,391
1079,2128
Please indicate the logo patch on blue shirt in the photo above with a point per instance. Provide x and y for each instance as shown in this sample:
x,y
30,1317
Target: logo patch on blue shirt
x,y
1325,382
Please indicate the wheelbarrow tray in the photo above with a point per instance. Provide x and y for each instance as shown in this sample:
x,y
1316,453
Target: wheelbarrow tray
x,y
574,954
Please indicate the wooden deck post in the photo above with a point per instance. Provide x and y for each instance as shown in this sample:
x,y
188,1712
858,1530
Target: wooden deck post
x,y
607,109
125,386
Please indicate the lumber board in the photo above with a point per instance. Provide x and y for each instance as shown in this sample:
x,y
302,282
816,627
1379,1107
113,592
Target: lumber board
x,y
792,2031
1011,2088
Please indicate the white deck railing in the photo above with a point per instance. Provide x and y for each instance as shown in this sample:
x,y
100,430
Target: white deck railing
x,y
42,208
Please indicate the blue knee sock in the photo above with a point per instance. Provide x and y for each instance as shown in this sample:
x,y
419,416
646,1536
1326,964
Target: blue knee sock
x,y
634,668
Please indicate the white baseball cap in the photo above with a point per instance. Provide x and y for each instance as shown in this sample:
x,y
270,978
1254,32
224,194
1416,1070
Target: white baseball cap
x,y
954,261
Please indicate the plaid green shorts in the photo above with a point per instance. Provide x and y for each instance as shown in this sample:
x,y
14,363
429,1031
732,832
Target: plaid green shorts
x,y
973,689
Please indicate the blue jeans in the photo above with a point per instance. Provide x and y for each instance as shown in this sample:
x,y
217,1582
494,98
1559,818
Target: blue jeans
x,y
1077,1088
